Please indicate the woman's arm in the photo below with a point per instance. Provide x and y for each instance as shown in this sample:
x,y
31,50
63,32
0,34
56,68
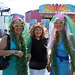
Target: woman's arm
x,y
47,57
48,66
3,43
3,46
71,71
6,53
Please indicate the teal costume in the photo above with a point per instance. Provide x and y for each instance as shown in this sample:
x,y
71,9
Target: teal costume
x,y
63,65
15,67
12,69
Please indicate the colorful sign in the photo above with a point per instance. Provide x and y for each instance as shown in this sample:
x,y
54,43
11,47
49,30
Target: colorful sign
x,y
51,8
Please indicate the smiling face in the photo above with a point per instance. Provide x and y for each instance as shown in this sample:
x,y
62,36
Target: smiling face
x,y
59,25
38,32
18,26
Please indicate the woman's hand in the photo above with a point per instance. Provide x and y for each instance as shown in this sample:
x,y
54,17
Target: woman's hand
x,y
48,68
18,53
29,56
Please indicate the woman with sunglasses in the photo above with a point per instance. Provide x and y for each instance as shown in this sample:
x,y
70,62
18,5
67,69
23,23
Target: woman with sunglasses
x,y
39,52
61,43
18,47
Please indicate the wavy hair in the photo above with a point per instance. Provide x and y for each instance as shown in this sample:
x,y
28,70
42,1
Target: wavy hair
x,y
33,29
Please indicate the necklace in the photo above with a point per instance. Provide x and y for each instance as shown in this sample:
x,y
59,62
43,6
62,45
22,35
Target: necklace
x,y
54,52
21,45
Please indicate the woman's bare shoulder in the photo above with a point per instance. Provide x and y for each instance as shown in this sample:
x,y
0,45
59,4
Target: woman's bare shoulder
x,y
3,42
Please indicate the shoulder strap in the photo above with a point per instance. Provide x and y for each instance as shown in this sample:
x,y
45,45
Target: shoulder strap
x,y
8,46
8,42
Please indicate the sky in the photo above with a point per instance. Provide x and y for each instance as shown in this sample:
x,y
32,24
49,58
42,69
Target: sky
x,y
23,6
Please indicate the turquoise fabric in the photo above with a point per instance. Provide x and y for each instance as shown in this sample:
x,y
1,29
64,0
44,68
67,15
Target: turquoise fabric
x,y
62,66
12,69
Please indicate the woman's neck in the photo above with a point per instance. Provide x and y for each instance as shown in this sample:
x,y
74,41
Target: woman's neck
x,y
38,38
60,33
18,36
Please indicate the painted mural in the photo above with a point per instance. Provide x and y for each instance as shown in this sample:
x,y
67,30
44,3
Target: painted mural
x,y
45,22
31,22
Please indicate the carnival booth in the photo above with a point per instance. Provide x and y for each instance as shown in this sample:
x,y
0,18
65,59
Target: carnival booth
x,y
45,13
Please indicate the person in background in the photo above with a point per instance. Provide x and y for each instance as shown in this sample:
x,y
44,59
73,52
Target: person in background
x,y
61,43
39,52
5,31
18,47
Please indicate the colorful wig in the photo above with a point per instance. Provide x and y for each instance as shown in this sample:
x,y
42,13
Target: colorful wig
x,y
69,28
26,33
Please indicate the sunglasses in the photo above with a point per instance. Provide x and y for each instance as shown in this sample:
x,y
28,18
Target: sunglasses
x,y
16,26
61,22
